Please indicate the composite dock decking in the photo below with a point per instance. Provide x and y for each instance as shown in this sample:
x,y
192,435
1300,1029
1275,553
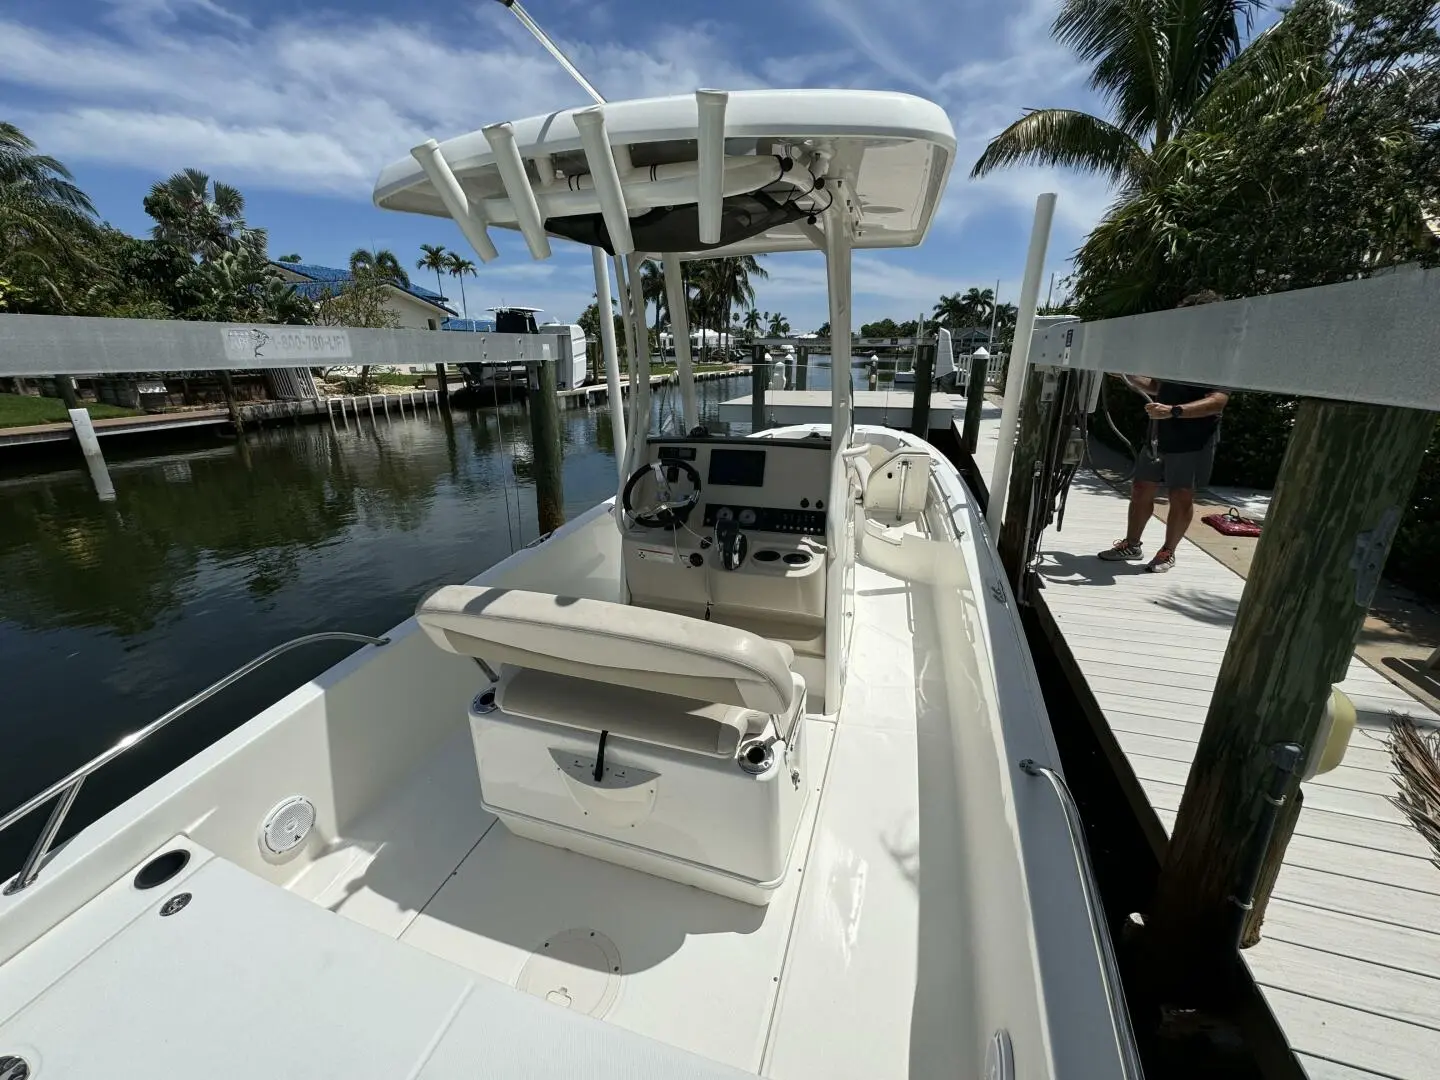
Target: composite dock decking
x,y
1350,957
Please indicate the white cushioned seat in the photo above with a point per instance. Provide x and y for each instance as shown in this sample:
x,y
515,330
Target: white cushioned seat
x,y
660,720
646,738
616,644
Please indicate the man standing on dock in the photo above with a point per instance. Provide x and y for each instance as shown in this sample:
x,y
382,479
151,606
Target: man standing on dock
x,y
1178,452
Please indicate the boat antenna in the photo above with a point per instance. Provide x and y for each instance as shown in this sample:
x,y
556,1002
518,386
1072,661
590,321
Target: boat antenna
x,y
553,49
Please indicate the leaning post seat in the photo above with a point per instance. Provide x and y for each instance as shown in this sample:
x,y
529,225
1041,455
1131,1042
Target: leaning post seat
x,y
653,740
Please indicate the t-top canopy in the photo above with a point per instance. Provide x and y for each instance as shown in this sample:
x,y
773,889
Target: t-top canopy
x,y
708,174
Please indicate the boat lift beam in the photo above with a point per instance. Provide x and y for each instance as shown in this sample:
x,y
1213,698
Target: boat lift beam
x,y
39,346
1307,342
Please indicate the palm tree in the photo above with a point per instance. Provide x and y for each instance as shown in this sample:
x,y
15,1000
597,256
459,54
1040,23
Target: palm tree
x,y
434,259
779,325
752,322
736,287
382,263
45,220
459,267
1167,70
951,311
978,304
652,291
205,218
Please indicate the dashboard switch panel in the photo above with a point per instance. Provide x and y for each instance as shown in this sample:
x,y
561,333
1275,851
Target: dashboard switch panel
x,y
768,518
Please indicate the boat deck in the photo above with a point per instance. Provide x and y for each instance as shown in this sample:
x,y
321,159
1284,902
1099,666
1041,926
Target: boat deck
x,y
830,954
1350,957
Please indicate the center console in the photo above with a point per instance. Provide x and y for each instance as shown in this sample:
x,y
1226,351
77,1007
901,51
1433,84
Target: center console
x,y
772,492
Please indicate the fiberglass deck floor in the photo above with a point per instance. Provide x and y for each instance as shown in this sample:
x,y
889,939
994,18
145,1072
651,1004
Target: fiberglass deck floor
x,y
1350,957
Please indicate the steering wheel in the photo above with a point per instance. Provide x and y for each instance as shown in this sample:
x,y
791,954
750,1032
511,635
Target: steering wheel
x,y
667,513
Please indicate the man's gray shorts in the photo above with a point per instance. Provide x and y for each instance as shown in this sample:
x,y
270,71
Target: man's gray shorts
x,y
1183,469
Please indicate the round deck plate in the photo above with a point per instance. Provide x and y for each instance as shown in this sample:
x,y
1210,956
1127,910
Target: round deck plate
x,y
575,969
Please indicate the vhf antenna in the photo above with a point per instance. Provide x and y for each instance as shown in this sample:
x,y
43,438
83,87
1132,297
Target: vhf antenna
x,y
553,49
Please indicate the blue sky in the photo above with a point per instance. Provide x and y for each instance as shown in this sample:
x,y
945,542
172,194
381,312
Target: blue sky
x,y
300,105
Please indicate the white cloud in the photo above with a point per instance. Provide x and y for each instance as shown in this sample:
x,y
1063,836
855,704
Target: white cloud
x,y
317,102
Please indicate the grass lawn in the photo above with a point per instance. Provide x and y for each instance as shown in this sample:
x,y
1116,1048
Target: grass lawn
x,y
21,410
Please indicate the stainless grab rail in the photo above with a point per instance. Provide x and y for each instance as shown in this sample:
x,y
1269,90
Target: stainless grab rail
x,y
1114,990
69,787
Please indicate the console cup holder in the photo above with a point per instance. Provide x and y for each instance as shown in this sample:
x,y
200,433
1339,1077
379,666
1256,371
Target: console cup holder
x,y
767,555
797,558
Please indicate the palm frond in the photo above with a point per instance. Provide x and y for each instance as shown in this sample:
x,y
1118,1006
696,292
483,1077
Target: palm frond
x,y
1281,67
1416,758
1063,137
1206,37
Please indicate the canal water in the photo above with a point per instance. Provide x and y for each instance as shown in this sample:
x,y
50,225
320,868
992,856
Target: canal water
x,y
215,550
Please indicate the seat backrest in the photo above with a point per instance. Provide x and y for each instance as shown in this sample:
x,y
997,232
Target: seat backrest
x,y
610,643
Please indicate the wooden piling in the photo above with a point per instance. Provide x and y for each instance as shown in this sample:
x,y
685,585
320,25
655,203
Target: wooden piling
x,y
759,379
443,393
974,404
802,368
65,386
1346,476
90,447
227,386
920,403
544,409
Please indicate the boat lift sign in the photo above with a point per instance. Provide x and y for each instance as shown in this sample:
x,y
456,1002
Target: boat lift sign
x,y
321,344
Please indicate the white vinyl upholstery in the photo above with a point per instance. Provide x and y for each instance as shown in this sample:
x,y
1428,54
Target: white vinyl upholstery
x,y
659,720
615,644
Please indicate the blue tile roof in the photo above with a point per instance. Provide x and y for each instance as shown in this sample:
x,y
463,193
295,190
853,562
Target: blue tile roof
x,y
320,276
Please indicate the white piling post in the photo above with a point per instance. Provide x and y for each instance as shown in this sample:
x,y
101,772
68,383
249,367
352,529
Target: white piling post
x,y
370,400
1019,358
388,417
90,447
330,412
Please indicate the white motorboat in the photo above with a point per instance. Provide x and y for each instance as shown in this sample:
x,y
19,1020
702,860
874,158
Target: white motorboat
x,y
743,772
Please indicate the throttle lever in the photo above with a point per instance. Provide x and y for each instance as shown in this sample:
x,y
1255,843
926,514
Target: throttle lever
x,y
732,542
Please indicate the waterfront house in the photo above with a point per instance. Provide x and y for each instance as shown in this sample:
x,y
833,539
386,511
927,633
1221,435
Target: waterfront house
x,y
418,308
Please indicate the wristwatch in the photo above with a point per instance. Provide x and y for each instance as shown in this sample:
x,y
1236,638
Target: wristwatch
x,y
1176,412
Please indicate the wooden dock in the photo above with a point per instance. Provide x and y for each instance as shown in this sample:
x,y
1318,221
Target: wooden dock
x,y
1350,958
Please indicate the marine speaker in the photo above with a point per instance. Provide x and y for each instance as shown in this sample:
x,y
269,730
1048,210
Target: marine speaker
x,y
287,825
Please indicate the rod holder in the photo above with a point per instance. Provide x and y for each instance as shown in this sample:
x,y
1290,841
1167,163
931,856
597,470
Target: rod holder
x,y
468,216
710,157
595,138
501,138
